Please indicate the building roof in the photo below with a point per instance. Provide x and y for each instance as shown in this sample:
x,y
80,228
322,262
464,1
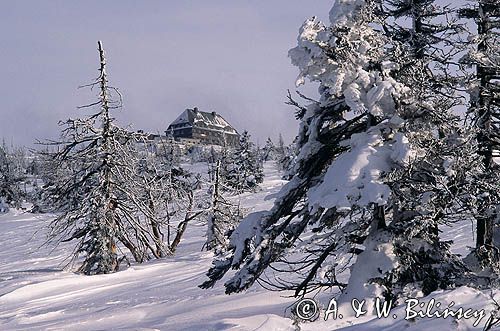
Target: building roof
x,y
195,117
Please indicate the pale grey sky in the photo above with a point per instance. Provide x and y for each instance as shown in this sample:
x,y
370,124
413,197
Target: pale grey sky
x,y
223,55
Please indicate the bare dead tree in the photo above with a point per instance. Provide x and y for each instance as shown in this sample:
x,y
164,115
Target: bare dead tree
x,y
96,196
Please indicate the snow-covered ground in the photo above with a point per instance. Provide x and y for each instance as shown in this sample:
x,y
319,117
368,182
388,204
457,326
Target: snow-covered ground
x,y
36,294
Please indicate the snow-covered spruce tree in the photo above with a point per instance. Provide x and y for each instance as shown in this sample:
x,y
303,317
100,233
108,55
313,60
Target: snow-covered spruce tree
x,y
222,215
168,153
287,162
241,168
484,110
432,190
353,144
97,207
49,174
280,147
268,150
12,174
280,154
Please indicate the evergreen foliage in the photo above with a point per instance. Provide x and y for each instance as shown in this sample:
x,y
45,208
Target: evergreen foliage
x,y
108,192
12,175
382,161
222,215
241,168
483,85
268,150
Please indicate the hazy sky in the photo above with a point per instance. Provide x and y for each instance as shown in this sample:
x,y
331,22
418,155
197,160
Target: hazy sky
x,y
228,56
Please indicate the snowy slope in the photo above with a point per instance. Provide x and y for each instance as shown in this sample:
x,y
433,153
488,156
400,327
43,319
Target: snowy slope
x,y
35,294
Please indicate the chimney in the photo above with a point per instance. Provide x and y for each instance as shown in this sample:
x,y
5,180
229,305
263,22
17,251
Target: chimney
x,y
195,109
214,113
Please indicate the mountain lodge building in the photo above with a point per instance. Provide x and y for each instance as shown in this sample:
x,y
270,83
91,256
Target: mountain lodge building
x,y
207,128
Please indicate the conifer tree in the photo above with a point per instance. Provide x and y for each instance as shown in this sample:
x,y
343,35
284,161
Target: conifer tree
x,y
281,154
241,168
222,215
94,194
484,110
268,150
428,194
348,196
12,174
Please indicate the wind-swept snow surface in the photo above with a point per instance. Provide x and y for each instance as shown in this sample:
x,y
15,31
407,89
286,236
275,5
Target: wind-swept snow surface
x,y
163,294
36,295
